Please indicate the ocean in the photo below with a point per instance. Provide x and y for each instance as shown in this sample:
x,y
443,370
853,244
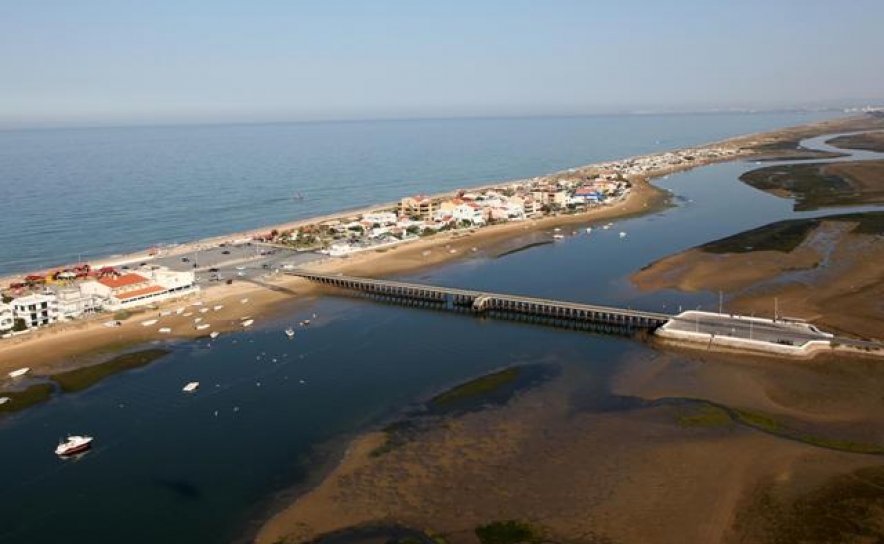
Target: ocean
x,y
71,195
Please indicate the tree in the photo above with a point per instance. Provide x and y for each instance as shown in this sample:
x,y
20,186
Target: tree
x,y
19,325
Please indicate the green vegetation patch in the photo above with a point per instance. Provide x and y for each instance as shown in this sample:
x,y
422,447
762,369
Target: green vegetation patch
x,y
869,141
705,416
811,186
480,386
509,532
849,508
784,236
81,378
19,400
758,420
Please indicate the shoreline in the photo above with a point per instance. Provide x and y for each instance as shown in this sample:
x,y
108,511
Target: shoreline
x,y
59,346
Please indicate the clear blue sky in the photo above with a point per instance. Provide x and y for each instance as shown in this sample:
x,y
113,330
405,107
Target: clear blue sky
x,y
140,61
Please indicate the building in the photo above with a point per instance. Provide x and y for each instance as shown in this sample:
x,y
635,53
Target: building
x,y
7,321
419,206
73,302
147,287
37,310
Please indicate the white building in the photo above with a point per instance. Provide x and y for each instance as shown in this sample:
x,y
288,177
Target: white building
x,y
146,287
469,212
37,310
6,318
381,218
73,302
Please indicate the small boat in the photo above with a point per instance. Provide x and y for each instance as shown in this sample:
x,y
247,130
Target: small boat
x,y
149,322
188,314
20,372
191,387
112,324
247,322
4,400
203,310
202,326
217,307
609,225
73,445
179,311
165,330
557,229
197,319
588,230
558,236
305,323
290,332
164,313
622,234
197,303
243,300
214,334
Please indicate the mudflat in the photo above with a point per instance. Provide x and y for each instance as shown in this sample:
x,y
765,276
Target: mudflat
x,y
639,463
869,141
817,268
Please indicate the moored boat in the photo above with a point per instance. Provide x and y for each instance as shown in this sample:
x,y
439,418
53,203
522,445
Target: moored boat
x,y
202,326
290,332
165,330
191,387
73,445
20,372
149,322
214,334
247,322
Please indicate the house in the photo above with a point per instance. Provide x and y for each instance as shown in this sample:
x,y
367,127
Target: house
x,y
469,211
7,321
37,310
419,206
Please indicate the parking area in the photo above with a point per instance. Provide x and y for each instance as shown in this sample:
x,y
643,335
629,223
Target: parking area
x,y
213,264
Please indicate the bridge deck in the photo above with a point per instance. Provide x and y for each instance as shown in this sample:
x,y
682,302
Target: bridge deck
x,y
404,287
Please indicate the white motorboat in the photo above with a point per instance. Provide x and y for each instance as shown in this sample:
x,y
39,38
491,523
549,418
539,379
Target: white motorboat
x,y
149,322
4,400
217,307
197,319
112,324
73,445
20,372
558,236
305,323
203,310
165,330
191,387
243,300
248,322
588,230
202,326
214,334
622,234
290,332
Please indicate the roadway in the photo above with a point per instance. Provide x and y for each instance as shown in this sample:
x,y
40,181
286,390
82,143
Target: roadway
x,y
762,330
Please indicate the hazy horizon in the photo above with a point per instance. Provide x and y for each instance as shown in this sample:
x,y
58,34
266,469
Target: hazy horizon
x,y
106,63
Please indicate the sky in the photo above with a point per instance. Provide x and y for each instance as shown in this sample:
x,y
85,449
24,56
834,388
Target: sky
x,y
105,62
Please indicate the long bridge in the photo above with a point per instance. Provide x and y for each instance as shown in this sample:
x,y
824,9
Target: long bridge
x,y
513,307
